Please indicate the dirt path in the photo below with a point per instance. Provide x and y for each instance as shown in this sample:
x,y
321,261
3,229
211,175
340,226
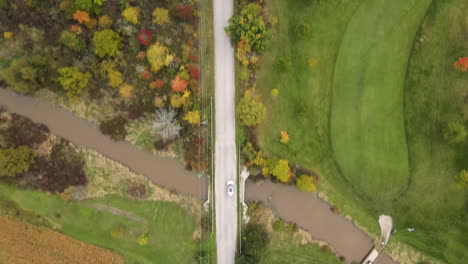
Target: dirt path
x,y
316,217
166,173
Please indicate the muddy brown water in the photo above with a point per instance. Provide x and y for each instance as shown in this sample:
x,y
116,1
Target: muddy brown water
x,y
305,209
166,173
315,216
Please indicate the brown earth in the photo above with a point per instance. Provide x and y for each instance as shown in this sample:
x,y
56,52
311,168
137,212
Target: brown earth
x,y
23,243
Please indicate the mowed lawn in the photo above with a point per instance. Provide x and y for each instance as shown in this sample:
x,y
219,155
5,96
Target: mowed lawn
x,y
428,201
170,227
367,122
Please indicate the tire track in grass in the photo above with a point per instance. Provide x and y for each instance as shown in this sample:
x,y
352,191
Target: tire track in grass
x,y
367,123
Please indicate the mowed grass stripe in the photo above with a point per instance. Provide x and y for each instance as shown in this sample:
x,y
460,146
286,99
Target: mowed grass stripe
x,y
367,123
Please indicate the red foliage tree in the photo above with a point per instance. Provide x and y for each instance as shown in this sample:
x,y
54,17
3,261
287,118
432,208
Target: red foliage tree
x,y
461,64
145,37
185,12
194,72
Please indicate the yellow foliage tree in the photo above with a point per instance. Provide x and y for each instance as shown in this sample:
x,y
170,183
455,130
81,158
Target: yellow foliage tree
x,y
126,90
156,55
104,21
115,78
177,100
193,117
160,16
306,183
284,137
131,14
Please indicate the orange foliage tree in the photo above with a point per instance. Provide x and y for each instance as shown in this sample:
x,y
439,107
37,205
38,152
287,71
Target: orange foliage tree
x,y
81,16
178,84
461,64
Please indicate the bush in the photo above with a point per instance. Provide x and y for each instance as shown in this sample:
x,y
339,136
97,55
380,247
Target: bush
x,y
72,41
24,132
106,43
73,81
278,225
250,109
115,128
306,183
64,168
26,75
249,27
143,239
15,161
160,16
455,133
301,30
137,191
282,171
131,14
254,243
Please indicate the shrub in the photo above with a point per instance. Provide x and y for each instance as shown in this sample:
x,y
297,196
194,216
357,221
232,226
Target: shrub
x,y
114,127
306,183
26,75
143,239
160,16
115,78
137,190
106,43
250,27
131,14
126,90
24,132
145,37
166,125
284,137
254,243
455,133
185,12
73,81
14,161
301,30
250,109
462,179
104,21
193,117
156,55
278,225
72,41
281,171
64,168
118,231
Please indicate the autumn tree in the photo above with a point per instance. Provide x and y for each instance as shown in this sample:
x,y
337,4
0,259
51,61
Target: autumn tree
x,y
73,81
81,16
106,43
250,27
306,183
250,109
461,64
131,14
14,161
160,16
145,37
178,84
193,117
157,56
185,12
281,171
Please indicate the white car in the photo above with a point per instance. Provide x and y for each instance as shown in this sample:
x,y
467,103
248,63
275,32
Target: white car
x,y
230,188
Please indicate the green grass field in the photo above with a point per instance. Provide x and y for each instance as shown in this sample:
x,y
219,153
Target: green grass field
x,y
367,123
386,115
283,249
169,226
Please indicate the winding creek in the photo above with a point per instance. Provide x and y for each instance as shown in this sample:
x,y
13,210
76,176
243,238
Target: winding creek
x,y
305,209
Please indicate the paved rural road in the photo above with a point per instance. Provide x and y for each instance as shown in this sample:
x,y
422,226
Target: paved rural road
x,y
225,150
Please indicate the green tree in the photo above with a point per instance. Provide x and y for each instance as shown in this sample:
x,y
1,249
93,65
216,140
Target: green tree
x,y
455,132
282,171
254,242
250,109
73,81
26,75
306,183
462,179
106,43
14,161
72,41
250,27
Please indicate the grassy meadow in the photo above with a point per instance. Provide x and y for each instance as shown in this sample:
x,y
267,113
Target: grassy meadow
x,y
364,97
96,221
